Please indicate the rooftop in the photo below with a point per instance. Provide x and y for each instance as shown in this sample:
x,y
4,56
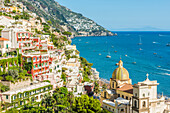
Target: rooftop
x,y
109,102
3,39
126,88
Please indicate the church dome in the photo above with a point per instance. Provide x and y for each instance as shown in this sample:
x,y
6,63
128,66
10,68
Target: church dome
x,y
120,73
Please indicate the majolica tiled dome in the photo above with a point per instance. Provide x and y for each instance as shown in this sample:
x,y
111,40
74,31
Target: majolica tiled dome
x,y
120,73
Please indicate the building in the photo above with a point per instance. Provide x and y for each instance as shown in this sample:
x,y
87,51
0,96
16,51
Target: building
x,y
120,85
34,92
95,74
73,62
123,97
4,45
145,98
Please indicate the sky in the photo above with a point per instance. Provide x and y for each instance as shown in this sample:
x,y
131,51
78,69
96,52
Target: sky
x,y
124,14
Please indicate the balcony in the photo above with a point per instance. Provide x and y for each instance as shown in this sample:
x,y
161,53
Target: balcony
x,y
29,47
36,73
26,41
35,68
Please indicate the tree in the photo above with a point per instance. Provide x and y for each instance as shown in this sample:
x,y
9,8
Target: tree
x,y
63,76
13,73
86,104
67,33
14,11
48,100
104,87
96,87
16,17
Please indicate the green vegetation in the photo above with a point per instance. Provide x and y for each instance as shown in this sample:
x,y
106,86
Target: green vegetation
x,y
62,101
104,87
3,88
86,69
96,87
59,16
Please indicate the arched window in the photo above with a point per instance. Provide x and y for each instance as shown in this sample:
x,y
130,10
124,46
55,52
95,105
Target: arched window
x,y
122,96
144,104
144,95
104,94
113,85
135,103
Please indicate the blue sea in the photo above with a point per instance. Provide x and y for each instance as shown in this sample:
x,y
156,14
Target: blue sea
x,y
152,57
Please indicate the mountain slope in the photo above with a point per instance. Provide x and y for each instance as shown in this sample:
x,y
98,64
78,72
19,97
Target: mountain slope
x,y
65,19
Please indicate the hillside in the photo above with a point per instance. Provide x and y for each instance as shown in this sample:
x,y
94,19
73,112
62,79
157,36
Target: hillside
x,y
64,19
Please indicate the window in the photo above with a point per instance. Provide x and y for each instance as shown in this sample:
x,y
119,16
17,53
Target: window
x,y
37,58
109,108
104,94
158,103
136,94
44,89
135,104
0,46
118,95
126,97
22,34
6,96
144,104
14,97
122,96
34,58
18,34
122,109
113,84
20,102
148,94
7,46
26,34
106,106
30,93
20,95
144,95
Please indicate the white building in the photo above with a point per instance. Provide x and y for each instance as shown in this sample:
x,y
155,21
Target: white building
x,y
20,96
145,98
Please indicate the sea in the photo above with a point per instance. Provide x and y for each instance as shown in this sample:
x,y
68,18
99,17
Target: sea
x,y
151,56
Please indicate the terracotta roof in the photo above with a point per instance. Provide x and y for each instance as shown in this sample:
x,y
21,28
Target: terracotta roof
x,y
126,88
3,39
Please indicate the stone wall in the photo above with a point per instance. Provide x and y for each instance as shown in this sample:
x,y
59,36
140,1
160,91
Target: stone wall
x,y
17,85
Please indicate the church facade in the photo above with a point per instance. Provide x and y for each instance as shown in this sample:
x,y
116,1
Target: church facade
x,y
123,97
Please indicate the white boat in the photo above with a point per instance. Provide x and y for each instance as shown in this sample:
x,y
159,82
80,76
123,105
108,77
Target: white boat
x,y
168,44
134,62
108,56
140,41
100,54
126,55
112,46
140,49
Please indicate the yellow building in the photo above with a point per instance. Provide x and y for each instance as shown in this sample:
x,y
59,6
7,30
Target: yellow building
x,y
121,89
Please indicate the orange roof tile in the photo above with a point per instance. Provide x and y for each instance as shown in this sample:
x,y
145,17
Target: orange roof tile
x,y
3,39
126,88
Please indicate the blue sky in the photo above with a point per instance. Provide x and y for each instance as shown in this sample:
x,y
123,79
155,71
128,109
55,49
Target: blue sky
x,y
124,14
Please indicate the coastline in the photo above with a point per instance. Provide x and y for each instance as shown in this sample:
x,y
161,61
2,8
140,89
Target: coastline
x,y
142,73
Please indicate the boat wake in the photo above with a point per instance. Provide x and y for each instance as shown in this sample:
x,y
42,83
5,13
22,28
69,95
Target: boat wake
x,y
164,74
163,69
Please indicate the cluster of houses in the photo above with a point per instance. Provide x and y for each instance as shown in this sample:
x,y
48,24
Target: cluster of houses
x,y
48,62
